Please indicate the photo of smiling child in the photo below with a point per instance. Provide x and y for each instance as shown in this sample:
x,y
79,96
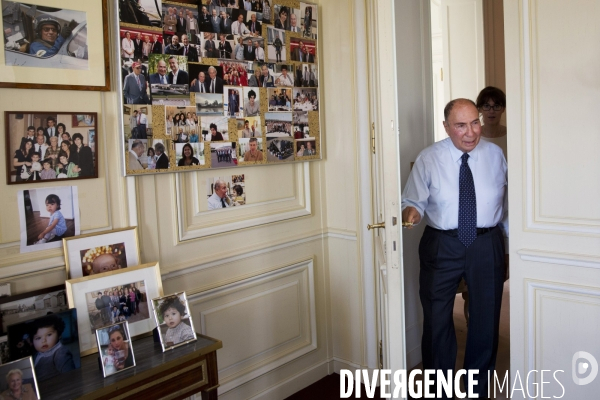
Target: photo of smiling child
x,y
47,215
175,325
54,343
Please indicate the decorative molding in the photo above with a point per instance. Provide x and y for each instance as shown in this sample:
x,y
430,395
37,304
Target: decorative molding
x,y
551,257
245,370
535,221
295,207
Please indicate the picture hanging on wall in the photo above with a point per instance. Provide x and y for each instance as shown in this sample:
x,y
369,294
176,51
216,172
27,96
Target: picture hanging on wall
x,y
220,77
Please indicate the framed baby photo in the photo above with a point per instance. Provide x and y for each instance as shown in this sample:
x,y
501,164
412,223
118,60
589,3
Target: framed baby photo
x,y
96,253
47,146
115,348
114,296
173,319
18,380
52,341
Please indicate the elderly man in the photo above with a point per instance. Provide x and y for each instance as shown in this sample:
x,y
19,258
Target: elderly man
x,y
266,79
137,150
50,36
187,50
225,23
138,46
174,48
192,23
225,49
162,162
254,26
181,26
134,87
177,76
215,84
157,47
249,51
199,85
161,73
238,27
210,47
253,154
294,23
219,198
40,145
215,21
259,53
458,186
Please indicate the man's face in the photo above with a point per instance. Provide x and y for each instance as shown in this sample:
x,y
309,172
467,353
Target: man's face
x,y
139,150
50,123
40,139
139,36
253,17
463,126
162,67
201,77
249,42
204,10
221,191
175,40
246,124
253,146
137,70
256,45
31,132
212,72
185,40
293,20
251,100
49,33
155,37
214,12
173,64
309,145
147,39
284,71
240,18
265,70
180,14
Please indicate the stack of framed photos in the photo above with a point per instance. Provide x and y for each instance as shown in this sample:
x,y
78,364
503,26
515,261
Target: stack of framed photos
x,y
212,84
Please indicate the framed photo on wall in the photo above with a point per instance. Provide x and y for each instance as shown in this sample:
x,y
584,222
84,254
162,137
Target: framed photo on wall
x,y
47,146
55,44
95,253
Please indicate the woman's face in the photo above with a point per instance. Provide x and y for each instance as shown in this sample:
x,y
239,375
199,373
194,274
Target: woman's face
x,y
60,129
53,141
187,152
64,146
78,142
128,35
14,382
28,145
116,340
491,116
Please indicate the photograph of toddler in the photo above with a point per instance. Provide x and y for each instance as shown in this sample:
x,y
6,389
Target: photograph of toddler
x,y
175,326
116,350
47,215
53,343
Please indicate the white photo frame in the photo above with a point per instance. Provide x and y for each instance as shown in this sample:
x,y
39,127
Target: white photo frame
x,y
121,243
79,287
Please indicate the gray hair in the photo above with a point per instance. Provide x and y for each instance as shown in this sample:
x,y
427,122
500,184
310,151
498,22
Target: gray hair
x,y
211,68
136,143
219,183
159,147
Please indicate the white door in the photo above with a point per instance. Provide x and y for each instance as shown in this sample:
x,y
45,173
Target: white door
x,y
401,104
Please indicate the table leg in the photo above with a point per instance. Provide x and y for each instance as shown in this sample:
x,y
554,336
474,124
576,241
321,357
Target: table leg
x,y
212,394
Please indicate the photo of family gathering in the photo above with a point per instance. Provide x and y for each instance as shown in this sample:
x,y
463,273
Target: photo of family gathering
x,y
50,146
120,303
211,58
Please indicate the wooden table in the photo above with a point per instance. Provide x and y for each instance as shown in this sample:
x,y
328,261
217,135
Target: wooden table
x,y
175,374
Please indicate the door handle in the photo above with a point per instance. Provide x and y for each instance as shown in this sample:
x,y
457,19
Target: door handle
x,y
376,226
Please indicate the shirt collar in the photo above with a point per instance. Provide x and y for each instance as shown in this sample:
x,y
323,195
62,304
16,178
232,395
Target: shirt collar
x,y
49,353
457,154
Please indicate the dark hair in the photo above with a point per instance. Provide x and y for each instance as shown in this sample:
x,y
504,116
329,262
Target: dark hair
x,y
491,93
451,104
67,143
252,140
284,9
213,125
251,93
77,135
116,328
191,149
64,154
24,143
67,133
239,190
47,161
53,199
50,320
150,149
50,118
172,302
63,126
40,128
30,127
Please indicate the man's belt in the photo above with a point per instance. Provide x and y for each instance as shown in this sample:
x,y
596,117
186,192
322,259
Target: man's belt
x,y
454,232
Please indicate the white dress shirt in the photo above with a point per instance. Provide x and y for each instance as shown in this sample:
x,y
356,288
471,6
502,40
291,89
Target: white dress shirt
x,y
214,202
432,186
239,28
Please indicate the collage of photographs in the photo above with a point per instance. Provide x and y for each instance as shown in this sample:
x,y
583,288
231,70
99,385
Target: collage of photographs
x,y
213,84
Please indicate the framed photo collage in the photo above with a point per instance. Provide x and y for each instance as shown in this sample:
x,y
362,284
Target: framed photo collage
x,y
211,84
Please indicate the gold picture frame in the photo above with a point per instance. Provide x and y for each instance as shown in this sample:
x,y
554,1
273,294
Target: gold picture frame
x,y
122,243
81,291
20,68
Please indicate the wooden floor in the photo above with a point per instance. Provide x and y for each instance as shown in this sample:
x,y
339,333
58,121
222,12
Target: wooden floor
x,y
36,225
329,387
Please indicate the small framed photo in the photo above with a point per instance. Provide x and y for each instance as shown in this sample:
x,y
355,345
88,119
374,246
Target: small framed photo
x,y
115,348
96,253
52,341
36,142
18,380
114,296
174,321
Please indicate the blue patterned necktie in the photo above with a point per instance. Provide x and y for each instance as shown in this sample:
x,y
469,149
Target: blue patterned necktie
x,y
467,204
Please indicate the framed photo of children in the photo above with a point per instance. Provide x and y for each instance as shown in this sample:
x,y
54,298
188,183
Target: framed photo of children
x,y
46,146
223,61
18,380
115,296
52,341
172,314
95,253
115,348
47,215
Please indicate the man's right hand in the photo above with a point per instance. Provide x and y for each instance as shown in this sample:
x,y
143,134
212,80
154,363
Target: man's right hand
x,y
411,215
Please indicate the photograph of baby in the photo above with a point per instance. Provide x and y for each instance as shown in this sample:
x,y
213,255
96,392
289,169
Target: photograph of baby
x,y
17,380
47,215
103,259
52,341
119,303
115,348
174,322
188,154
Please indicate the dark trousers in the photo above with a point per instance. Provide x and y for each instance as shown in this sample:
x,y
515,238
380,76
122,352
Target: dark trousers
x,y
142,131
444,261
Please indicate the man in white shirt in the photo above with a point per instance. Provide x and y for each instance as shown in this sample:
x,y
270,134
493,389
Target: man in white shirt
x,y
142,121
458,185
199,85
293,23
284,79
192,24
259,53
219,198
29,135
238,27
40,146
51,129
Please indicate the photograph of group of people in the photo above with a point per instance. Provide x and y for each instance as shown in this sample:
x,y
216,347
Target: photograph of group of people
x,y
226,191
210,65
120,303
49,146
